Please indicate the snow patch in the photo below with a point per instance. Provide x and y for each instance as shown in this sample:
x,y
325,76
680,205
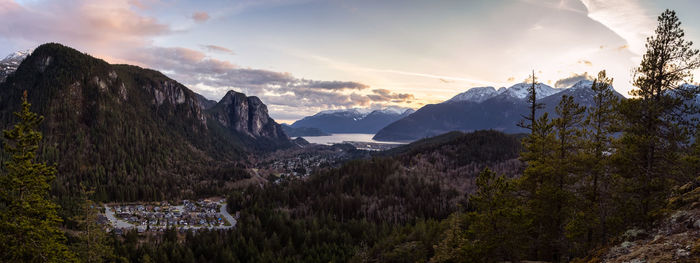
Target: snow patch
x,y
361,113
520,90
477,94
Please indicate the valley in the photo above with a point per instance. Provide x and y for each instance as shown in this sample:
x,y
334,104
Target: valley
x,y
362,132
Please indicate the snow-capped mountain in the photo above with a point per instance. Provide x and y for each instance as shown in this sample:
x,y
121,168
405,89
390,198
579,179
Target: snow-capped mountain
x,y
356,113
355,120
581,92
9,64
393,110
477,94
501,111
519,90
581,84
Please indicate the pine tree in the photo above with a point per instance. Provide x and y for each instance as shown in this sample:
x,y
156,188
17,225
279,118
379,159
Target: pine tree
x,y
497,221
656,126
596,187
529,121
92,245
29,222
536,183
455,246
566,163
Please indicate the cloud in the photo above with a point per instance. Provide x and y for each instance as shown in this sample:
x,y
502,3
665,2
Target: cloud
x,y
200,17
384,95
119,32
213,78
215,48
627,18
585,62
566,82
181,61
96,27
427,75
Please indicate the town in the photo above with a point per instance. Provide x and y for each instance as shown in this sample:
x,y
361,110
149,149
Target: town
x,y
156,217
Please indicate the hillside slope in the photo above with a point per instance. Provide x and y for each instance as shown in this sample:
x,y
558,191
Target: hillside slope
x,y
131,133
674,239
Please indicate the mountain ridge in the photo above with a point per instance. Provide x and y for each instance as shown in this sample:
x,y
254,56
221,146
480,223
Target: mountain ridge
x,y
355,120
132,133
501,111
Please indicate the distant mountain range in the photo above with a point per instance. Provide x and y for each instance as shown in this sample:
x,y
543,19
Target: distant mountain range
x,y
302,131
123,127
481,108
515,92
355,120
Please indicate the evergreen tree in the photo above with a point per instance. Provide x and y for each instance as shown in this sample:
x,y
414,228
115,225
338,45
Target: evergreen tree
x,y
530,119
29,222
497,222
596,188
92,245
455,245
536,183
655,120
558,190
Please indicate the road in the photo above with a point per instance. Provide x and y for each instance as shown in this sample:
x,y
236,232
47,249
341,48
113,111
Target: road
x,y
227,216
116,222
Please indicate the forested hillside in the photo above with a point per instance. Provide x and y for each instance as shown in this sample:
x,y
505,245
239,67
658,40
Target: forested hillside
x,y
132,133
338,213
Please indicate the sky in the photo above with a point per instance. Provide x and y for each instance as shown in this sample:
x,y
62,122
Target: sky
x,y
304,56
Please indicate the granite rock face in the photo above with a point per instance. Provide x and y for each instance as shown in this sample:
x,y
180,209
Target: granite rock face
x,y
247,115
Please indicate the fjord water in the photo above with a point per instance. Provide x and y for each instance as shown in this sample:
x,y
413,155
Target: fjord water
x,y
343,137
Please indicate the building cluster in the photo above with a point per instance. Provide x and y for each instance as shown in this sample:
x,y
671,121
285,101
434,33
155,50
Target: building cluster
x,y
188,215
300,166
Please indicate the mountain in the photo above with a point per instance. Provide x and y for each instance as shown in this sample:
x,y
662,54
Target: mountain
x,y
519,91
302,131
204,102
495,110
10,63
248,116
477,94
355,120
133,133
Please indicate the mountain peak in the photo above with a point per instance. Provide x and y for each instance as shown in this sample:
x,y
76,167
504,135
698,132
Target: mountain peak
x,y
520,90
517,91
476,94
9,64
393,110
354,111
249,116
582,84
18,55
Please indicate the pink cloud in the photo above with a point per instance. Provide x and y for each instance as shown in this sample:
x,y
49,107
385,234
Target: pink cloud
x,y
101,28
117,32
215,48
200,17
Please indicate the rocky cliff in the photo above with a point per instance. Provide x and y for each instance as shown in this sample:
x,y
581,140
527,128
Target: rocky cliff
x,y
248,116
131,132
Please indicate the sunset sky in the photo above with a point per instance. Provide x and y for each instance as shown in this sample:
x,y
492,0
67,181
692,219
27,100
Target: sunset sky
x,y
300,57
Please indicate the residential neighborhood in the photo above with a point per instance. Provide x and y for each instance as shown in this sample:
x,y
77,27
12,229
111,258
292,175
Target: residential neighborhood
x,y
158,216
